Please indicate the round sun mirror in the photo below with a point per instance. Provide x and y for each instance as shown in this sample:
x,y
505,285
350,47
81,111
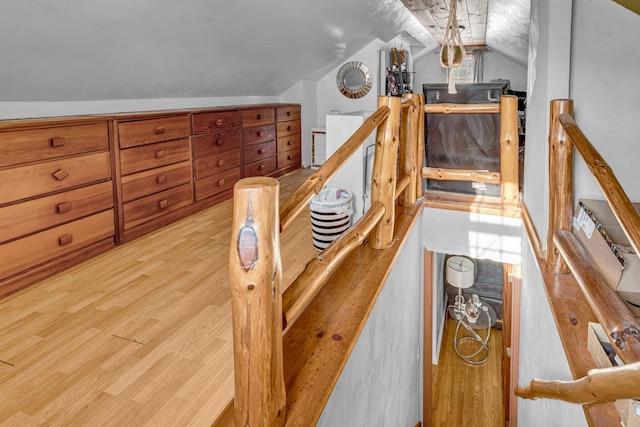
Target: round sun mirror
x,y
354,79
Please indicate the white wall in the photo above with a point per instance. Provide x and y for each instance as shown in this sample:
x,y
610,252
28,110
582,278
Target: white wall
x,y
541,352
496,66
329,97
304,93
381,384
605,87
542,355
21,110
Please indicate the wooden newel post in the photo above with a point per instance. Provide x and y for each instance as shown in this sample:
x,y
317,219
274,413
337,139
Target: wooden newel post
x,y
383,181
255,272
560,183
509,146
408,147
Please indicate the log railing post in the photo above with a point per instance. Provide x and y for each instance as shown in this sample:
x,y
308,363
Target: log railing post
x,y
560,184
509,142
255,273
384,177
420,148
409,147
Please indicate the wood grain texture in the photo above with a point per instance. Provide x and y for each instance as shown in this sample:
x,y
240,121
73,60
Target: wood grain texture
x,y
560,183
509,185
619,202
255,273
462,108
466,395
461,175
139,335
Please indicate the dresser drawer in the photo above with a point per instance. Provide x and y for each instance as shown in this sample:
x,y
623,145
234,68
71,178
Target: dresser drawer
x,y
46,212
215,184
288,143
289,158
288,128
141,132
259,134
256,152
286,114
150,207
213,165
38,248
208,145
257,117
152,181
32,145
153,155
42,178
262,167
215,121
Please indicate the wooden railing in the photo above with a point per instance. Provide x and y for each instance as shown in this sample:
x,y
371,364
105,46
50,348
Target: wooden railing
x,y
507,177
261,312
565,254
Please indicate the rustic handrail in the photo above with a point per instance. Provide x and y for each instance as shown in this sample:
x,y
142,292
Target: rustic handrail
x,y
508,176
294,204
565,254
254,260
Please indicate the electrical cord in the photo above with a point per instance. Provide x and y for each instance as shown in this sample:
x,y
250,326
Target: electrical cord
x,y
468,358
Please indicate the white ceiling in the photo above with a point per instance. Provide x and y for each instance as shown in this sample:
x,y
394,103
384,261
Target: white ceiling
x,y
77,50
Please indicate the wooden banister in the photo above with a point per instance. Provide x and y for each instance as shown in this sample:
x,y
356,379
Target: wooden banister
x,y
306,286
255,274
508,176
566,254
611,188
292,207
384,174
560,183
598,386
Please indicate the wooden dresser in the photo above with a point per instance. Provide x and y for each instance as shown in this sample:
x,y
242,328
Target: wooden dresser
x,y
56,197
73,187
155,170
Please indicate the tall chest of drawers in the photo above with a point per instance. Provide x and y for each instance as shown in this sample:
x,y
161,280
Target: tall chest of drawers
x,y
216,153
259,141
288,133
56,198
155,169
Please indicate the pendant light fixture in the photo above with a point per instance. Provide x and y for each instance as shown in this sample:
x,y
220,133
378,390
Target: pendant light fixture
x,y
452,51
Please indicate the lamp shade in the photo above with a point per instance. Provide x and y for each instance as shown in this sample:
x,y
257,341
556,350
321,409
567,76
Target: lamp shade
x,y
460,272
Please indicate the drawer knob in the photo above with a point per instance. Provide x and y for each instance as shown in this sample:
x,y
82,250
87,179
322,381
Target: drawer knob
x,y
261,133
289,142
288,113
219,122
57,141
258,116
289,157
261,151
163,204
65,240
220,162
261,167
160,154
63,207
219,142
159,130
60,174
161,179
289,128
220,182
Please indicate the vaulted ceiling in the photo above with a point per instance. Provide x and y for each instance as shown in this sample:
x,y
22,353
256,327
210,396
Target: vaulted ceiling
x,y
76,50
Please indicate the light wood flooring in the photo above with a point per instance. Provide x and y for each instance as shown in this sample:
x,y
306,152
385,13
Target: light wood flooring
x,y
466,395
137,336
141,336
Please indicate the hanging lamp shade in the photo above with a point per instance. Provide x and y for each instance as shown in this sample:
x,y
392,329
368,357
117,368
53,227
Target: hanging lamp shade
x,y
452,51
